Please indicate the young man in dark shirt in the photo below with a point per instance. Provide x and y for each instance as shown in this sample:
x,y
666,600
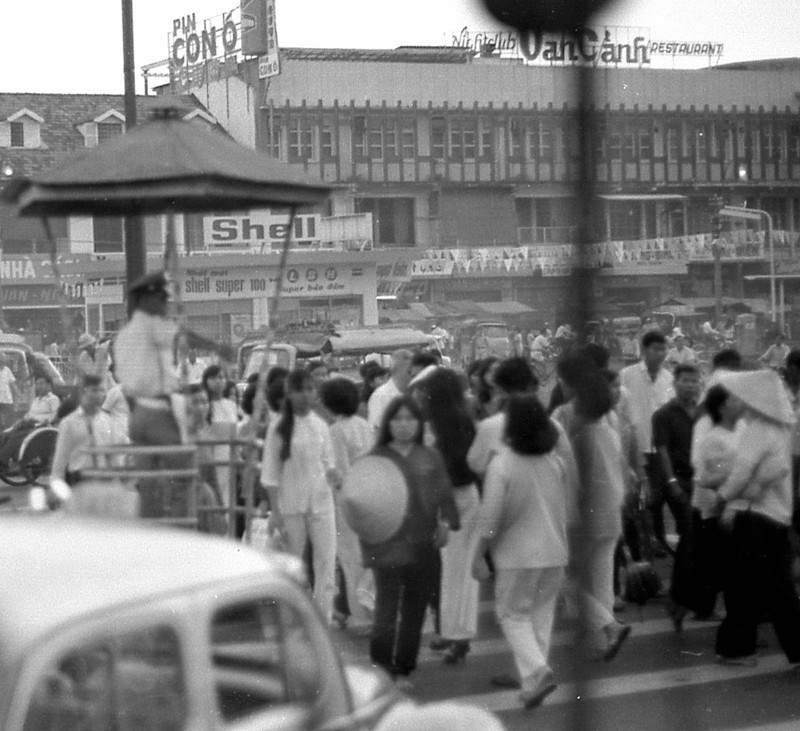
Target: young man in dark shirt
x,y
673,424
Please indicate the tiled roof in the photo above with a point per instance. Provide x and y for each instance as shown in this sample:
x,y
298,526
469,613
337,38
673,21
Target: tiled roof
x,y
403,54
62,113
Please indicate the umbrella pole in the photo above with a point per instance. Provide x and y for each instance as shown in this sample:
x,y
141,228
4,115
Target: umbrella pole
x,y
274,303
172,268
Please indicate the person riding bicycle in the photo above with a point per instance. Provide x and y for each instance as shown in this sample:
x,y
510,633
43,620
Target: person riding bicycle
x,y
680,353
42,411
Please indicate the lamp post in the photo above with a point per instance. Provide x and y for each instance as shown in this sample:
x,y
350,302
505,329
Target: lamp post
x,y
756,214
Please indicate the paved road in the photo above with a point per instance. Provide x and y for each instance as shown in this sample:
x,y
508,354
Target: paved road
x,y
659,681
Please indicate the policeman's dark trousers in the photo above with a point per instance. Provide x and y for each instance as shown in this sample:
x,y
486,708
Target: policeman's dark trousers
x,y
402,595
157,427
758,583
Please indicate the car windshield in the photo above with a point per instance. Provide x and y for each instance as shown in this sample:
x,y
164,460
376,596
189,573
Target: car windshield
x,y
494,331
274,358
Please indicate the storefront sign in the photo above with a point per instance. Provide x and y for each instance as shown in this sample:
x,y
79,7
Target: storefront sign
x,y
613,46
20,269
192,44
37,295
299,281
257,229
269,64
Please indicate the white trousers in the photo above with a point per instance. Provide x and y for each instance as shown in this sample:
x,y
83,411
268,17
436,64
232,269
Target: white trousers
x,y
348,551
595,575
525,604
459,591
320,529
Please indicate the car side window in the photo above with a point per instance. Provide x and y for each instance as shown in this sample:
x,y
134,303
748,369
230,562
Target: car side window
x,y
262,657
126,681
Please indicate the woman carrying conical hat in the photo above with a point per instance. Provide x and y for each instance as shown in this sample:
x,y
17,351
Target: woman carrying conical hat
x,y
757,496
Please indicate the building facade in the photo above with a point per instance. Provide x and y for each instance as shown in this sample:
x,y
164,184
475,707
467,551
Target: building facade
x,y
470,161
70,280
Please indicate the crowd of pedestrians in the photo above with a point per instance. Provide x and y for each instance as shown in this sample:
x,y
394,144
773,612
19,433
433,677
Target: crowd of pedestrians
x,y
471,478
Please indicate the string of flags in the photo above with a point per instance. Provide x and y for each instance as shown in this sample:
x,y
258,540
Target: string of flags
x,y
558,259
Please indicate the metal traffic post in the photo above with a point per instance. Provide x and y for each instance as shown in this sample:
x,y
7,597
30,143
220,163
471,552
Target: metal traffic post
x,y
756,214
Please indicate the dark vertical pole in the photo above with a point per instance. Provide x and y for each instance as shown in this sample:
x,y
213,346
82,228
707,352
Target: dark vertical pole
x,y
582,273
135,260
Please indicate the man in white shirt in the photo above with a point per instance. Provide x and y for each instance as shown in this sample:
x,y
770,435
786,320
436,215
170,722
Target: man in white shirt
x,y
194,367
8,391
776,354
650,386
680,353
86,427
144,365
395,386
42,411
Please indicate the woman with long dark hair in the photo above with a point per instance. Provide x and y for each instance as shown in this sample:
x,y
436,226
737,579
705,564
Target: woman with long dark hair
x,y
452,430
406,566
223,418
529,499
352,437
598,449
298,472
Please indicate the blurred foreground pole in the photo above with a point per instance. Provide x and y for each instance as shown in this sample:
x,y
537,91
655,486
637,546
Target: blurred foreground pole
x,y
135,262
583,272
568,16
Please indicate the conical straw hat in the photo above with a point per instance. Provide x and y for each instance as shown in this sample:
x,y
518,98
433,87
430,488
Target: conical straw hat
x,y
374,498
762,392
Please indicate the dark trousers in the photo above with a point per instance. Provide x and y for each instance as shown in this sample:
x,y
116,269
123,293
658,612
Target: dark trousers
x,y
402,594
678,498
706,543
159,497
757,583
661,494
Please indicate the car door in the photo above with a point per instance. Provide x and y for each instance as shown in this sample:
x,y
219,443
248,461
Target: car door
x,y
269,653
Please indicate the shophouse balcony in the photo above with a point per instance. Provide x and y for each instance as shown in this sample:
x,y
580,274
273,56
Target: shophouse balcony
x,y
547,234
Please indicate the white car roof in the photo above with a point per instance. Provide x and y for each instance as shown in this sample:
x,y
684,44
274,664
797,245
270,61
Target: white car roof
x,y
57,569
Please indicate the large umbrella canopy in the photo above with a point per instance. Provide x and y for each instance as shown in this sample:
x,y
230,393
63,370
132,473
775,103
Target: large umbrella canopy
x,y
166,164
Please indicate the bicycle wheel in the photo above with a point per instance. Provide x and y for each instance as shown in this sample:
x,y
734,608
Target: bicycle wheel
x,y
36,452
16,475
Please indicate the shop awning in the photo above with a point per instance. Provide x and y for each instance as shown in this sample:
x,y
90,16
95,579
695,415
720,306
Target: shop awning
x,y
643,197
505,308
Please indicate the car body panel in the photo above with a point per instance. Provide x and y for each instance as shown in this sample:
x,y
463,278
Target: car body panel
x,y
74,583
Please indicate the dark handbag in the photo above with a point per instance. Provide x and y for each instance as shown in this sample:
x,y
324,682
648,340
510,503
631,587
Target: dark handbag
x,y
642,582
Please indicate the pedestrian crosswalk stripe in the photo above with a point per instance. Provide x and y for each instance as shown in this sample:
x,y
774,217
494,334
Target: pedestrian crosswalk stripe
x,y
564,638
641,682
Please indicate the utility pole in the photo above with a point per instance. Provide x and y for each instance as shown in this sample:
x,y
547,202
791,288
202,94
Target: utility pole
x,y
135,258
716,203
